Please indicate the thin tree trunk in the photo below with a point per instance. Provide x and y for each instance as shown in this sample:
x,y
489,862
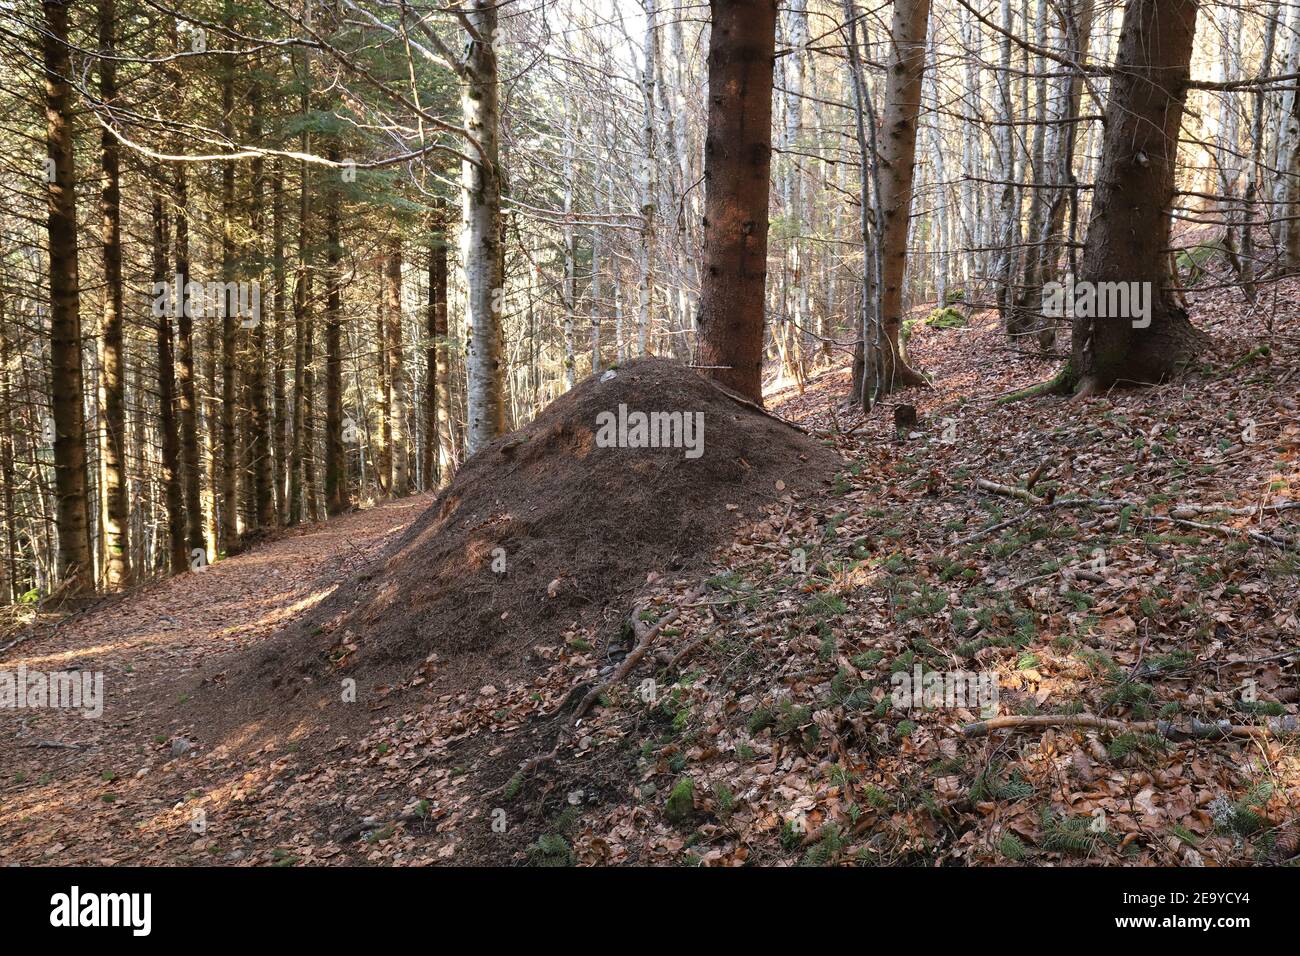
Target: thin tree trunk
x,y
192,471
337,498
228,492
381,439
438,401
646,180
1256,159
173,492
280,422
396,371
259,418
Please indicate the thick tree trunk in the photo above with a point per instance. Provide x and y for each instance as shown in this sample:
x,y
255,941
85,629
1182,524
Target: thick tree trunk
x,y
173,492
897,159
76,572
112,452
1129,230
481,250
737,165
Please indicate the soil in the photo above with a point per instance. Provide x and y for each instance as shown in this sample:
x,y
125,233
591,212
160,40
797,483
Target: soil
x,y
576,526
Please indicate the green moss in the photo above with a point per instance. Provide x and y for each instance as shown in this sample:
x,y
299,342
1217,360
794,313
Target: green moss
x,y
681,801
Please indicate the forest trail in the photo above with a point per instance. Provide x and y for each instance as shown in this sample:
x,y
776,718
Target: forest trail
x,y
146,643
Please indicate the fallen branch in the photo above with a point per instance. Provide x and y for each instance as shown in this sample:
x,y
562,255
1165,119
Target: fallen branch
x,y
647,637
1042,504
1008,491
1196,730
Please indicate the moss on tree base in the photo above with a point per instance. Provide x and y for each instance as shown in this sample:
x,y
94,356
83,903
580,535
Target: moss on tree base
x,y
1058,384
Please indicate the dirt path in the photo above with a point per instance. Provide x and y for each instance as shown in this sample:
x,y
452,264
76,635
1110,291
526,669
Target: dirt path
x,y
60,770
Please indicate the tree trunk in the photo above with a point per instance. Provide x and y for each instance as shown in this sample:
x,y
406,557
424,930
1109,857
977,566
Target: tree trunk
x,y
76,572
1129,230
112,453
897,159
438,467
280,423
396,370
192,472
481,232
337,499
173,493
300,446
1256,160
738,156
381,438
570,293
259,418
646,180
228,493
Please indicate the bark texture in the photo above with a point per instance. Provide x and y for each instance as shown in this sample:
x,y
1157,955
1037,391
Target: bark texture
x,y
897,160
481,247
1129,229
737,165
76,572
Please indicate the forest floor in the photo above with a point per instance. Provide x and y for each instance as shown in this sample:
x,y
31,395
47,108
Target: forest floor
x,y
1133,558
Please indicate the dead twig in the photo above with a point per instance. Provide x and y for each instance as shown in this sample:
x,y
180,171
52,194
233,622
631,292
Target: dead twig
x,y
647,637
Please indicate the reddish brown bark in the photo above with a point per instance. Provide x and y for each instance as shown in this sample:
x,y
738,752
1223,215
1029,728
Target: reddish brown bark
x,y
76,573
737,164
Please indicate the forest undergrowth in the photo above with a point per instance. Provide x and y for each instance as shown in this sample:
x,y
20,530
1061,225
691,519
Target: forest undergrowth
x,y
1131,558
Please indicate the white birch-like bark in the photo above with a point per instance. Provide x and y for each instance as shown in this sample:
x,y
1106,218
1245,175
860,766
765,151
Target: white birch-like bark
x,y
647,181
481,252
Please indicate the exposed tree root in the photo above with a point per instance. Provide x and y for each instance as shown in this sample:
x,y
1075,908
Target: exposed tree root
x,y
1057,384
